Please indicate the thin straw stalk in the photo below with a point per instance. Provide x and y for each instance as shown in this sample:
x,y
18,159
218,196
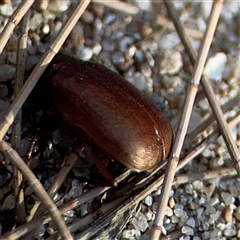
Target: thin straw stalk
x,y
38,189
182,128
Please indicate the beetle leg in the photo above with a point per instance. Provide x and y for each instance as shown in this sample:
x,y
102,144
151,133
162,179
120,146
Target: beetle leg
x,y
103,170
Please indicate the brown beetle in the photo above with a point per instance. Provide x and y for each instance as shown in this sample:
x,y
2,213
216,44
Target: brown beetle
x,y
112,113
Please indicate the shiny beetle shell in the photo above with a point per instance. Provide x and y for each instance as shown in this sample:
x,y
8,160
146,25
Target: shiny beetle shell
x,y
112,113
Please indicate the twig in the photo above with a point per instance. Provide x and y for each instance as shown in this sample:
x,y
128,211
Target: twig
x,y
38,189
208,90
41,66
36,222
100,214
39,208
180,179
16,133
182,128
13,22
60,178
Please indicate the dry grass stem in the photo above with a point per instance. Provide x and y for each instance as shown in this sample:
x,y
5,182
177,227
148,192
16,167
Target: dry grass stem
x,y
184,121
58,181
156,184
37,222
119,6
13,22
180,179
105,210
208,90
40,67
16,132
38,189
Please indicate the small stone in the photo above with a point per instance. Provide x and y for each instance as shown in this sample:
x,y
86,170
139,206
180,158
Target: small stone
x,y
84,53
84,209
148,201
46,29
170,227
138,80
227,198
173,82
230,230
221,226
171,63
125,43
237,213
184,238
206,226
169,211
172,202
109,19
12,57
174,219
210,209
76,37
144,5
7,72
215,66
196,238
118,58
150,59
198,185
179,212
50,230
140,222
97,48
191,222
129,234
189,189
215,234
76,189
146,70
187,230
6,10
40,232
228,213
199,211
206,235
202,200
193,206
108,44
69,213
36,21
207,153
216,162
154,207
59,5
149,215
169,41
209,190
215,216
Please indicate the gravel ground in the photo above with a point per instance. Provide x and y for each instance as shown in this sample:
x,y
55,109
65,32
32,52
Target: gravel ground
x,y
150,55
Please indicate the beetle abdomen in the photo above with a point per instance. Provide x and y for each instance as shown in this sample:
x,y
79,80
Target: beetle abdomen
x,y
113,114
